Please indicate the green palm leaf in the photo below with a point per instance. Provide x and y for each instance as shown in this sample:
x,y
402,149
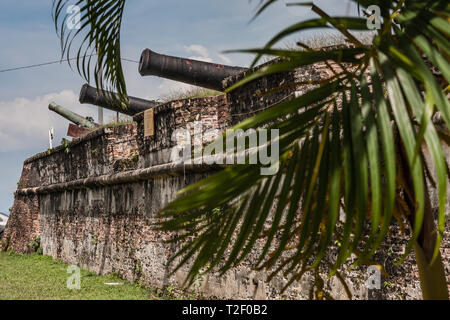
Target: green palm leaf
x,y
362,119
99,32
350,147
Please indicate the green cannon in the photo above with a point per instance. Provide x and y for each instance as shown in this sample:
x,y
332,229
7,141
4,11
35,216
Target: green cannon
x,y
73,117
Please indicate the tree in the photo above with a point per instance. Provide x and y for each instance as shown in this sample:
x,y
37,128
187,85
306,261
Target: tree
x,y
359,135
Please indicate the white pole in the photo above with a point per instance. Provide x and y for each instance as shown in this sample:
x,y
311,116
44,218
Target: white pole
x,y
50,137
100,115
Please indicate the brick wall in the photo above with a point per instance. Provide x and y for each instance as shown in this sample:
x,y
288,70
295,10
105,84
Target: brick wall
x,y
82,219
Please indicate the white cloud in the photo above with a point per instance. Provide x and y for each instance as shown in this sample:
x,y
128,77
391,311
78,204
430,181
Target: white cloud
x,y
169,86
224,58
24,123
199,49
204,54
201,58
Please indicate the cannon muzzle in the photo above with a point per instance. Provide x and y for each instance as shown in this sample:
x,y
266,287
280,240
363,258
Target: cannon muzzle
x,y
194,72
71,116
110,100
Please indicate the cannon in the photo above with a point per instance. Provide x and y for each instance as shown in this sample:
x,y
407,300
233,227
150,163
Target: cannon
x,y
194,72
110,100
73,117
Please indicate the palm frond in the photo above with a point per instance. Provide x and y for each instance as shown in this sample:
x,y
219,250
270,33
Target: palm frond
x,y
347,147
98,56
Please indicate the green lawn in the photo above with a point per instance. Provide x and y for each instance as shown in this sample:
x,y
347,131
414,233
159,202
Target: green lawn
x,y
35,277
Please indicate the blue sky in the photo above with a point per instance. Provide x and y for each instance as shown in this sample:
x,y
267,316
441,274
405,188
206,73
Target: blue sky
x,y
200,29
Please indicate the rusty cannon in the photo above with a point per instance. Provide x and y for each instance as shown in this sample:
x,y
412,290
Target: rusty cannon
x,y
110,100
194,72
72,116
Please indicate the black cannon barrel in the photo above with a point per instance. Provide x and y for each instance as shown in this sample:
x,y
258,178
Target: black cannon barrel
x,y
72,116
104,99
194,72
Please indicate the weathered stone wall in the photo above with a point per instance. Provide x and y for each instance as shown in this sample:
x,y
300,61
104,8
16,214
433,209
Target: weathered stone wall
x,y
23,225
66,196
95,154
212,112
98,153
259,95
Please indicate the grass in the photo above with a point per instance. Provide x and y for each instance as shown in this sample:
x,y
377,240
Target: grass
x,y
114,121
325,39
321,40
36,277
190,93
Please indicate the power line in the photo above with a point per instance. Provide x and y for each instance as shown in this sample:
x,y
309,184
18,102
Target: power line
x,y
49,63
129,60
